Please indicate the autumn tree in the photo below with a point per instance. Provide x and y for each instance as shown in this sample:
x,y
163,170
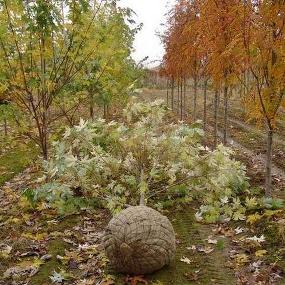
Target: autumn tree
x,y
42,52
174,64
264,40
112,73
219,24
182,59
45,46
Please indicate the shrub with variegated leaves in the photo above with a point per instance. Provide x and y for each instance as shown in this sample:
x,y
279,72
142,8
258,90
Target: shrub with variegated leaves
x,y
146,152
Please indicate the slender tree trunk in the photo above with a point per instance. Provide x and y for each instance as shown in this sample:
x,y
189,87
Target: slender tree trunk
x,y
245,84
45,97
219,99
181,97
216,106
105,111
184,97
43,135
226,102
205,104
242,93
167,93
91,112
45,149
108,111
172,94
195,99
5,127
178,95
44,138
268,177
91,107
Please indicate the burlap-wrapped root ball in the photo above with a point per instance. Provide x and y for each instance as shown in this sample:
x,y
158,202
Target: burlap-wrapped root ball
x,y
139,241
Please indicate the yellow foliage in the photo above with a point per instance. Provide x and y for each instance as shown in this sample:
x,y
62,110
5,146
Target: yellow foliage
x,y
241,259
252,219
260,253
36,237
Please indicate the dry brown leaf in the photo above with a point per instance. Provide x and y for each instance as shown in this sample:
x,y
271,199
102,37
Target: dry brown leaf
x,y
136,280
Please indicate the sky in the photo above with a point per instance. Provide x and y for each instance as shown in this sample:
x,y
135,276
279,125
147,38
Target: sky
x,y
152,14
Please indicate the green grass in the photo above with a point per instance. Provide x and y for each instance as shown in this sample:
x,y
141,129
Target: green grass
x,y
210,268
15,161
55,247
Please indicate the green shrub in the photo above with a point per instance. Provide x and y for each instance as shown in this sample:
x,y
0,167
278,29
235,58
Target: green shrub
x,y
143,153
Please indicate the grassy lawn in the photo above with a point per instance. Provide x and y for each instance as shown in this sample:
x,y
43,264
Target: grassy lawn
x,y
16,160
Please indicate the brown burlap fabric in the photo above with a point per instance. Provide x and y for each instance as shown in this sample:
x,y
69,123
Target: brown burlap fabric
x,y
139,241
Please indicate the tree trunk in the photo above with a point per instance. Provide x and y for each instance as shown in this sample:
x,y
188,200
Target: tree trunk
x,y
91,107
5,127
167,93
195,100
216,106
91,112
45,149
105,111
43,135
108,111
181,97
268,177
178,95
205,104
184,98
219,99
172,94
245,84
44,127
226,101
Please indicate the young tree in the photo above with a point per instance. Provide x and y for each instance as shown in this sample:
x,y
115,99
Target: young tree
x,y
264,40
45,46
110,74
40,55
219,23
182,59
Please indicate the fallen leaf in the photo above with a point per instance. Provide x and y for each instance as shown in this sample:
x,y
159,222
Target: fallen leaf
x,y
46,257
257,239
136,280
56,277
192,276
239,230
206,249
36,237
185,260
260,253
212,241
252,219
241,259
25,268
5,250
88,282
107,282
192,247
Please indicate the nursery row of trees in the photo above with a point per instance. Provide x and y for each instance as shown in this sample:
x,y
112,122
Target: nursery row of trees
x,y
59,57
229,44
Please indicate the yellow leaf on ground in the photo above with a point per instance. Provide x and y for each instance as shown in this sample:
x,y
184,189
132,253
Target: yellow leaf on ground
x,y
37,237
260,253
252,219
241,259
